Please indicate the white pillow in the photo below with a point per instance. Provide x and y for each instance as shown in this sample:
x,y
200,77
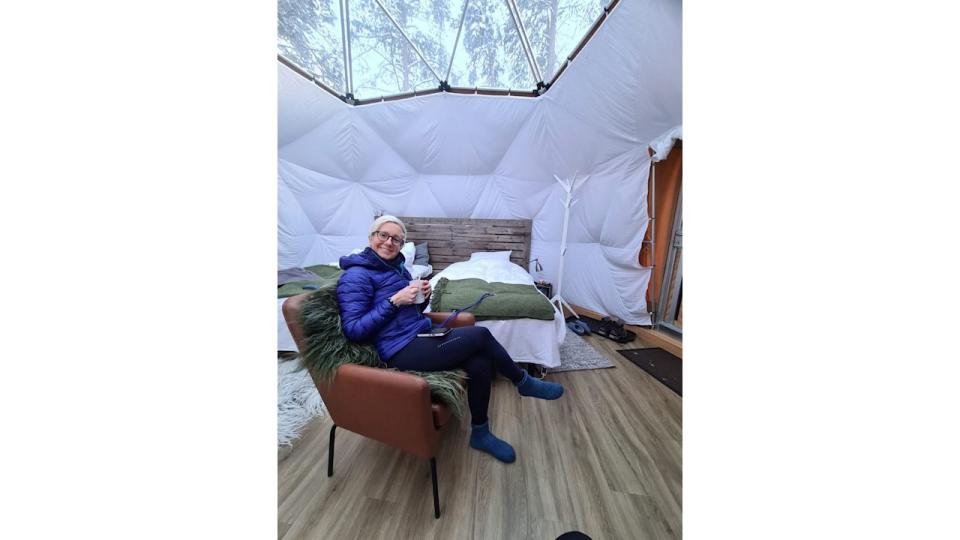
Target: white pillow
x,y
496,255
409,251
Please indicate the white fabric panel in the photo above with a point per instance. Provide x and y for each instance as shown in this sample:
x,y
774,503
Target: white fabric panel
x,y
300,106
526,199
294,230
450,133
422,201
628,76
492,202
331,205
449,155
344,146
456,195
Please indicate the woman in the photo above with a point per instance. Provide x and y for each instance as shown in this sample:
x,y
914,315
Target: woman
x,y
377,304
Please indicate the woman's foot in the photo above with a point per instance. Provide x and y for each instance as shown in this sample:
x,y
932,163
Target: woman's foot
x,y
529,386
482,439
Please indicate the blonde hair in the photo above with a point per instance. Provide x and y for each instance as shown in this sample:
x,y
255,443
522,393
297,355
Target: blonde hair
x,y
387,219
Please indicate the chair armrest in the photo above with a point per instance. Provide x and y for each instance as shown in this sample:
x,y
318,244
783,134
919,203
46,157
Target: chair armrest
x,y
462,319
389,406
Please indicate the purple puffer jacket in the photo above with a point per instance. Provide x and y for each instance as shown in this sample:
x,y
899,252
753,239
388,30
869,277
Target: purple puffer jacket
x,y
366,314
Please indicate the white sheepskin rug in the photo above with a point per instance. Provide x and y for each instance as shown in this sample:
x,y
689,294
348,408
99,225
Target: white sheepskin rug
x,y
298,401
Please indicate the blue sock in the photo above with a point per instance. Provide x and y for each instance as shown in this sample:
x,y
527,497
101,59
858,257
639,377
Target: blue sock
x,y
530,386
482,439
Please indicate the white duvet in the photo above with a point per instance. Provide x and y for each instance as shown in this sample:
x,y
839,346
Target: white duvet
x,y
487,270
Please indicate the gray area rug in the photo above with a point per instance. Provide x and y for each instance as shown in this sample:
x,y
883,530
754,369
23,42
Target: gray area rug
x,y
575,354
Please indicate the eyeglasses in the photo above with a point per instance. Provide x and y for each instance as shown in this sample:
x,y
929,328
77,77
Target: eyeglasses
x,y
397,241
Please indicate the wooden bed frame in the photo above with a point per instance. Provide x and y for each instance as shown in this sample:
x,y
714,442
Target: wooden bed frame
x,y
451,240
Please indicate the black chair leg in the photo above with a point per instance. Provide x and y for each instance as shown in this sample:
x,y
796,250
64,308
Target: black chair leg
x,y
333,433
436,495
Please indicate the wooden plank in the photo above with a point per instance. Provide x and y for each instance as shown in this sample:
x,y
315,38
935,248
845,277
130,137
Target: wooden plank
x,y
449,220
475,246
508,233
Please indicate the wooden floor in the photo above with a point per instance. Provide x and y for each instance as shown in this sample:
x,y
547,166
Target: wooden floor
x,y
604,459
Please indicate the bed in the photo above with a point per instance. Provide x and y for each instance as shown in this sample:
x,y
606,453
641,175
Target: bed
x,y
536,341
495,251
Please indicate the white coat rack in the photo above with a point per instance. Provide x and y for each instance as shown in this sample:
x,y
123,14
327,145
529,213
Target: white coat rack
x,y
569,186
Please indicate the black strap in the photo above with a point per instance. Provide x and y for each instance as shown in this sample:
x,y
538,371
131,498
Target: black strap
x,y
457,311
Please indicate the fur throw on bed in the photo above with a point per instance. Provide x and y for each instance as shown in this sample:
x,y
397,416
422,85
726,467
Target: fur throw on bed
x,y
327,349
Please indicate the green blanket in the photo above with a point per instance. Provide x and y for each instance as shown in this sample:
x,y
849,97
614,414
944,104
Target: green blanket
x,y
326,275
510,301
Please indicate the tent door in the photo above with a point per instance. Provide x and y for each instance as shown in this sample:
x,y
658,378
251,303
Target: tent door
x,y
670,312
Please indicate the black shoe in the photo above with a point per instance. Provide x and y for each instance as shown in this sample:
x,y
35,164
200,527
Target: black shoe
x,y
620,334
537,371
605,326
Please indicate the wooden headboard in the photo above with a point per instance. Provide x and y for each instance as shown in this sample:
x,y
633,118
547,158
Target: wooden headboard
x,y
451,240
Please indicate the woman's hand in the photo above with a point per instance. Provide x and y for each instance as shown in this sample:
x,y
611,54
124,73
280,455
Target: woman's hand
x,y
404,296
426,289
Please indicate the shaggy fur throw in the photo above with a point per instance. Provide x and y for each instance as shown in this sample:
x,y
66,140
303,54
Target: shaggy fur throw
x,y
327,349
298,401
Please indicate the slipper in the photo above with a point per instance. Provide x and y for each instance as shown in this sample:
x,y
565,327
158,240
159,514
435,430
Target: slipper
x,y
585,327
579,327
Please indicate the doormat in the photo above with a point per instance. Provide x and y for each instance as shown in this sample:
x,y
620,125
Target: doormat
x,y
661,365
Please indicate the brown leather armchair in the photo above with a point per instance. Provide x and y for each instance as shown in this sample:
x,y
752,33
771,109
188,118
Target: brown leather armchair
x,y
388,406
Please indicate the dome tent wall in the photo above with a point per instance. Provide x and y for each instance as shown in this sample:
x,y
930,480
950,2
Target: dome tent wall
x,y
474,156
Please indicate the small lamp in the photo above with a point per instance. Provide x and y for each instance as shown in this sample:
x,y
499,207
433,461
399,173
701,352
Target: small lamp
x,y
537,269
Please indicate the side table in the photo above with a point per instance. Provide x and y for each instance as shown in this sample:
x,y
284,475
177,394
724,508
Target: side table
x,y
545,288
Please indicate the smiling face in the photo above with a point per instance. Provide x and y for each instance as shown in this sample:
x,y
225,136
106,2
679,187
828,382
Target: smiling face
x,y
387,249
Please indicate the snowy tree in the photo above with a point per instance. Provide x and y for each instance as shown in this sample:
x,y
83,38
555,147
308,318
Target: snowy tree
x,y
385,61
553,28
540,22
490,52
481,38
306,35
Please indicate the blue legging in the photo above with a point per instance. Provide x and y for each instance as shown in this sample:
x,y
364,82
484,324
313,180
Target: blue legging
x,y
471,348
